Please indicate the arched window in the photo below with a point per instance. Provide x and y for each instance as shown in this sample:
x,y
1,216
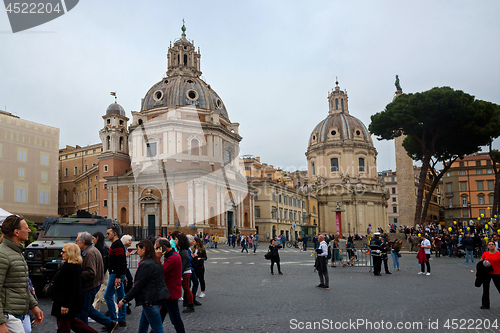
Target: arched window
x,y
334,164
314,209
464,201
312,169
336,103
121,143
108,143
228,157
40,199
342,103
185,60
361,167
195,149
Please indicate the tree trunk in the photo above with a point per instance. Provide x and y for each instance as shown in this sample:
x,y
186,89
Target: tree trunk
x,y
420,193
434,184
496,194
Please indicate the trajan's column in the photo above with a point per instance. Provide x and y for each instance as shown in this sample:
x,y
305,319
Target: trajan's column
x,y
406,179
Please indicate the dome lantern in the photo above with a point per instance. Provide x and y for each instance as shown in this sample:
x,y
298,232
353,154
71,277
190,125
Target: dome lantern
x,y
337,100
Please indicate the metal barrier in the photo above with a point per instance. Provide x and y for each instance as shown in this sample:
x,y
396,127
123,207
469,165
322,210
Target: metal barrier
x,y
362,257
134,261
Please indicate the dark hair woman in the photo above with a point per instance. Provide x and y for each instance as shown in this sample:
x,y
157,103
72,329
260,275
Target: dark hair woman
x,y
98,240
149,288
199,257
491,258
183,246
275,256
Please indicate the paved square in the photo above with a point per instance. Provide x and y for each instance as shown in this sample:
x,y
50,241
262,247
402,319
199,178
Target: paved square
x,y
242,296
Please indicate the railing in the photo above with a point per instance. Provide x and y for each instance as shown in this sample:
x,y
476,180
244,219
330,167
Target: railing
x,y
139,233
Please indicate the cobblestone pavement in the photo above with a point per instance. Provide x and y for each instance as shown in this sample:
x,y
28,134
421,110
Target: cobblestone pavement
x,y
242,296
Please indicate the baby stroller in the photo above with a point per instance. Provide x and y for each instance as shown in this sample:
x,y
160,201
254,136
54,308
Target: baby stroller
x,y
460,251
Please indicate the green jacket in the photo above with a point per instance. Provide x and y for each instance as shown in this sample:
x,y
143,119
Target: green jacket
x,y
15,297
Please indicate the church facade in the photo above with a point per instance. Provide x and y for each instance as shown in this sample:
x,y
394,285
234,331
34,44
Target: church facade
x,y
176,165
342,170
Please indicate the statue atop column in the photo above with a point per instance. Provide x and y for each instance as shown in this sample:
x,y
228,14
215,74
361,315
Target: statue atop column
x,y
398,86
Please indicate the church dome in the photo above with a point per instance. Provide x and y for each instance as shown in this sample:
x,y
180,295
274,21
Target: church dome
x,y
115,108
183,91
339,127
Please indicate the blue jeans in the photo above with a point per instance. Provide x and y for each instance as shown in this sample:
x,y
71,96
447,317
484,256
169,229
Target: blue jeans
x,y
450,251
395,259
254,247
215,244
469,253
89,311
244,248
172,307
150,316
109,297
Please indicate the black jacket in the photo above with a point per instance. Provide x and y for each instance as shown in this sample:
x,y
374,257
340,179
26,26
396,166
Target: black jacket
x,y
275,256
481,271
67,291
149,284
468,243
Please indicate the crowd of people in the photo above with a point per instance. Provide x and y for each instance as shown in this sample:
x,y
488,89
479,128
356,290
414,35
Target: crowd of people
x,y
172,269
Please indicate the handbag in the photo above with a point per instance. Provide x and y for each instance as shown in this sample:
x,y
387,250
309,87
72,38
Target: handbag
x,y
267,256
399,254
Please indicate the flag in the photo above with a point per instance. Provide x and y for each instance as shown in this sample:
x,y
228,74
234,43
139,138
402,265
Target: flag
x,y
113,93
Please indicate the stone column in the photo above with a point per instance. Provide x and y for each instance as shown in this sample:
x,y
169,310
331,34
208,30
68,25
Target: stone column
x,y
171,203
164,209
110,201
242,210
136,206
190,212
115,202
252,209
205,202
218,210
130,204
199,200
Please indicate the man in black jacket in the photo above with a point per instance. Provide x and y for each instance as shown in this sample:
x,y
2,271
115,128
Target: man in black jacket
x,y
117,266
469,247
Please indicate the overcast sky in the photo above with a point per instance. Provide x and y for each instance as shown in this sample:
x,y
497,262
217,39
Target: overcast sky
x,y
271,62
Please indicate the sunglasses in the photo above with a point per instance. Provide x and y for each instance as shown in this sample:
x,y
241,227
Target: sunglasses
x,y
158,248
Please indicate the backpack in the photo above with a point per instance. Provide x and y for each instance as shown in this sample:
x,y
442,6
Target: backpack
x,y
329,255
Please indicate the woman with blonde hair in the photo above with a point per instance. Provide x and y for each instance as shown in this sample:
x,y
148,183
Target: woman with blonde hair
x,y
67,293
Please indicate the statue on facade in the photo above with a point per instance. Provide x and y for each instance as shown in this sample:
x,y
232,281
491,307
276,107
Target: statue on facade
x,y
398,86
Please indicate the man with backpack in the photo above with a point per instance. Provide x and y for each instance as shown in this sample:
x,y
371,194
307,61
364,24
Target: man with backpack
x,y
321,264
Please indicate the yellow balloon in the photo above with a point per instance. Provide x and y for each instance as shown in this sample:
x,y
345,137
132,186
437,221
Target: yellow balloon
x,y
488,208
461,230
482,215
485,226
419,235
454,222
489,223
486,238
478,218
468,228
449,228
498,231
494,216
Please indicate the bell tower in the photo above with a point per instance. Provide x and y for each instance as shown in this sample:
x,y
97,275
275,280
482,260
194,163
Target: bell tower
x,y
337,100
183,59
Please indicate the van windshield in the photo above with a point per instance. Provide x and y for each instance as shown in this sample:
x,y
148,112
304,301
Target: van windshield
x,y
72,230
